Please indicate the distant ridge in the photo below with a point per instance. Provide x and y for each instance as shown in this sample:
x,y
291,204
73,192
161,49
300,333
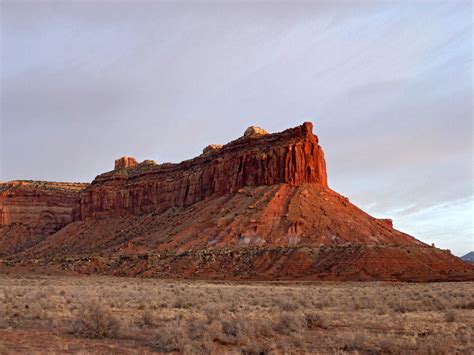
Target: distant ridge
x,y
469,257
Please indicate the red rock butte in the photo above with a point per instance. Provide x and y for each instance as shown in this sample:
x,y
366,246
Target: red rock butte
x,y
258,207
291,157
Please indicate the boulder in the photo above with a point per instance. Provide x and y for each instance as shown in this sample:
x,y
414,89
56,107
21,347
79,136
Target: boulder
x,y
254,131
211,148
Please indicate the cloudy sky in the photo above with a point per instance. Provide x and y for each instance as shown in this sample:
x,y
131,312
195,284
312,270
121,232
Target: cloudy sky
x,y
388,86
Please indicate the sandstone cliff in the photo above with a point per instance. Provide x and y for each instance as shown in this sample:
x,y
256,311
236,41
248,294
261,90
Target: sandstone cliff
x,y
291,157
33,209
258,207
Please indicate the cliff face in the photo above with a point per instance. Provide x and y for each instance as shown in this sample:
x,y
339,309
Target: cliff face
x,y
258,207
290,157
32,210
43,207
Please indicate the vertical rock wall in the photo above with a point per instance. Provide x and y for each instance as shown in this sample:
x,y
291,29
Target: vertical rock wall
x,y
43,207
289,157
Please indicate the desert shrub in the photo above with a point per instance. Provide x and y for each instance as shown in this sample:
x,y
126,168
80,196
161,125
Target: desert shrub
x,y
397,345
35,311
435,346
287,306
354,342
318,304
315,320
95,321
230,328
469,304
262,328
438,305
257,349
197,329
449,316
236,331
182,302
168,338
3,315
399,307
289,323
148,319
213,312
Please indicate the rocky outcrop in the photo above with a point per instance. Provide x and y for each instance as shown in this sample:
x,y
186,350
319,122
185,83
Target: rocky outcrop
x,y
211,148
32,210
254,131
387,221
348,263
258,207
43,207
291,157
125,163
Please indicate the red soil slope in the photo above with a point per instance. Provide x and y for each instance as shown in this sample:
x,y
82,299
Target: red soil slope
x,y
257,208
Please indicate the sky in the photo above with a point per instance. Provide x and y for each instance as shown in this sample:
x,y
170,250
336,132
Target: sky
x,y
387,84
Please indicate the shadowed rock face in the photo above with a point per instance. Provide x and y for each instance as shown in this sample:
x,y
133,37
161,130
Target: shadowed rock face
x,y
42,206
31,210
291,157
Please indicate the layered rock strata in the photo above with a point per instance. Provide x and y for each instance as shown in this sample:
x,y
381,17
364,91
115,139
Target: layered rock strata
x,y
258,207
291,157
32,210
44,207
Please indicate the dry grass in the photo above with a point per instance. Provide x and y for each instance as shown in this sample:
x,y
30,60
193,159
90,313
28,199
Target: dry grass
x,y
204,317
95,321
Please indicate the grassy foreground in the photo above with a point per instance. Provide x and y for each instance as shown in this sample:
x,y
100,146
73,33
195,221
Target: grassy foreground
x,y
123,315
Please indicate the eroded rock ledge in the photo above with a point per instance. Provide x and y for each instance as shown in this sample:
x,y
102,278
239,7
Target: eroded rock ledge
x,y
255,159
44,207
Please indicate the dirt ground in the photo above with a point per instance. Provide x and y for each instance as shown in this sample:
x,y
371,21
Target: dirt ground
x,y
92,314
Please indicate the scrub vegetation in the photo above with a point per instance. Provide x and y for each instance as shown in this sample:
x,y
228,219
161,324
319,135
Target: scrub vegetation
x,y
131,315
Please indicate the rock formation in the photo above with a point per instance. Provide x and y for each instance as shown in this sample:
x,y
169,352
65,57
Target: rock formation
x,y
254,131
125,163
291,157
211,148
42,206
33,209
258,207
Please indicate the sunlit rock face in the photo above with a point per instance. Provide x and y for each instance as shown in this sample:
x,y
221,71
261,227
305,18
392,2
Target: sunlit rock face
x,y
254,131
211,148
125,163
258,207
256,159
